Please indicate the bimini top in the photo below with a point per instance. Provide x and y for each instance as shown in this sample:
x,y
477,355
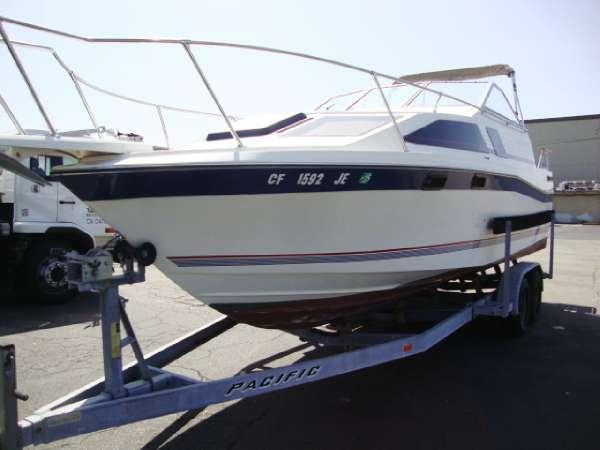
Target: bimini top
x,y
469,73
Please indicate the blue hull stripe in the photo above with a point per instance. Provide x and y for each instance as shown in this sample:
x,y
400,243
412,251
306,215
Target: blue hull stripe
x,y
197,180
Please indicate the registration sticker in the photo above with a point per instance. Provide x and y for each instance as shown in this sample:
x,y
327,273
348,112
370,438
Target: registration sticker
x,y
365,177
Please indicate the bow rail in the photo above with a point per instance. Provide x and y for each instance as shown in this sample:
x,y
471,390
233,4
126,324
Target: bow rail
x,y
187,46
78,81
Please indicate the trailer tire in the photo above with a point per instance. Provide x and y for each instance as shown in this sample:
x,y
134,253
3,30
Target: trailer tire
x,y
536,283
45,275
517,324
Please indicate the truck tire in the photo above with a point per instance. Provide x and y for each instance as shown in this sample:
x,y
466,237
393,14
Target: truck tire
x,y
45,275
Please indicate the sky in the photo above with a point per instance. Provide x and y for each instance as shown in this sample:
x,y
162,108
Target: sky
x,y
553,45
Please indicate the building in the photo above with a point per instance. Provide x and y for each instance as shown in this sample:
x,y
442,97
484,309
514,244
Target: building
x,y
574,145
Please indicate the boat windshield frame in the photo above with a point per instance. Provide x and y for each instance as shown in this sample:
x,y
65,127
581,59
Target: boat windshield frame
x,y
481,105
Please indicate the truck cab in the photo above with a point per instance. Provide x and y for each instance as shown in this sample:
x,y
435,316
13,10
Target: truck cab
x,y
35,220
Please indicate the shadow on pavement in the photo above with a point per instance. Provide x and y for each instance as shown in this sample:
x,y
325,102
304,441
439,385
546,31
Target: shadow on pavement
x,y
19,316
475,390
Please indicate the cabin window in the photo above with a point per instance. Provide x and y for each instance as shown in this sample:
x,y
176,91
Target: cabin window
x,y
42,165
496,142
450,134
38,165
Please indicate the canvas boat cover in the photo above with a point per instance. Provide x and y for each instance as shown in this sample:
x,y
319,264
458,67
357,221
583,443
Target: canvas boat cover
x,y
469,73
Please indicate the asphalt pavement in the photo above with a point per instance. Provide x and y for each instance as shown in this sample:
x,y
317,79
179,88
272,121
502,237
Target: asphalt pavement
x,y
477,389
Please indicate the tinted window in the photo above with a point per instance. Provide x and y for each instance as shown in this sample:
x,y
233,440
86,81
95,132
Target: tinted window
x,y
451,134
496,142
55,161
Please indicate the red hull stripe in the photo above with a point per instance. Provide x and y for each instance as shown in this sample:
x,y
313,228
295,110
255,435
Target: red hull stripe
x,y
335,257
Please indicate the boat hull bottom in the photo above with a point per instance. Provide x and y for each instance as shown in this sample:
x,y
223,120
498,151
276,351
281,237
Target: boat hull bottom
x,y
313,312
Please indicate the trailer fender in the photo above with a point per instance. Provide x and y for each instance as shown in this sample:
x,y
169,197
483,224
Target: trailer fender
x,y
516,274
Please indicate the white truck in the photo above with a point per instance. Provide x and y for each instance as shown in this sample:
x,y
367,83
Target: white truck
x,y
36,218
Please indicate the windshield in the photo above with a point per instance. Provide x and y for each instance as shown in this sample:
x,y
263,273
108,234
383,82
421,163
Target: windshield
x,y
402,96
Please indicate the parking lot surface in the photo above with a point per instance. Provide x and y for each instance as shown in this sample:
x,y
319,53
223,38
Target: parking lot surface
x,y
475,390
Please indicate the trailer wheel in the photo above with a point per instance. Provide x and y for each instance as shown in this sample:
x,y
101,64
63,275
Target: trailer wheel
x,y
45,275
537,286
517,324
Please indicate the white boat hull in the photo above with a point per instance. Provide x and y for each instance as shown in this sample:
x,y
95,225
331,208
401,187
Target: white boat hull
x,y
257,250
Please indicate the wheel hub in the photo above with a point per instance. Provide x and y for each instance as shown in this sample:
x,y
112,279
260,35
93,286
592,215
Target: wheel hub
x,y
55,274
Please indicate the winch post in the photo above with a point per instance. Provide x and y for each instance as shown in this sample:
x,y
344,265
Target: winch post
x,y
94,272
111,341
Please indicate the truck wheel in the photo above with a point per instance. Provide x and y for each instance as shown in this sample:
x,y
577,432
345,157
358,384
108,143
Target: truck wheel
x,y
517,324
45,275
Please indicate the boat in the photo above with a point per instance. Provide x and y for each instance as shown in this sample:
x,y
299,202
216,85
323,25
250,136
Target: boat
x,y
309,218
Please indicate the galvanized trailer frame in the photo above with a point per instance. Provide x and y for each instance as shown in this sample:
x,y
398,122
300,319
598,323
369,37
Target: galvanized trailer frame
x,y
143,390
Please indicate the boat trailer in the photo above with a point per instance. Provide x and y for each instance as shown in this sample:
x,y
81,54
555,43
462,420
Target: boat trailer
x,y
144,390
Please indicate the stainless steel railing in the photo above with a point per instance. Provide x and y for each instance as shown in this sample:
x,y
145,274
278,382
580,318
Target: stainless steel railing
x,y
187,46
78,81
